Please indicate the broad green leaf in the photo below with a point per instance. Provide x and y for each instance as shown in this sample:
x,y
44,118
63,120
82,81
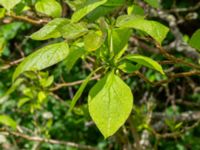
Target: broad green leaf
x,y
81,89
93,40
6,120
155,29
194,41
43,58
73,30
49,7
120,37
75,53
146,61
110,102
153,3
50,30
79,14
128,67
9,4
2,12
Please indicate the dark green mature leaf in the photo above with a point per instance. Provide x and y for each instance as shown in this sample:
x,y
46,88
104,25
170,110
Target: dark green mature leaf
x,y
146,61
50,30
79,14
153,3
93,40
155,29
81,89
75,53
110,102
6,120
9,4
43,58
120,37
194,41
49,7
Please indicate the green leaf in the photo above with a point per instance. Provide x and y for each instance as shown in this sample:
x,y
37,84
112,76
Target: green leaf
x,y
194,41
81,89
120,37
93,40
155,29
146,61
2,44
128,67
9,4
79,14
153,3
49,7
73,30
23,101
75,53
43,58
50,30
2,12
110,102
6,120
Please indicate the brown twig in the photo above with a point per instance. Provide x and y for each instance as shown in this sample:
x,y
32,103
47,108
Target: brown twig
x,y
51,141
29,20
11,64
58,86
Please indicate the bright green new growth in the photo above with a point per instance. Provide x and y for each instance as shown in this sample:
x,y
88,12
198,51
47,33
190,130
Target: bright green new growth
x,y
110,103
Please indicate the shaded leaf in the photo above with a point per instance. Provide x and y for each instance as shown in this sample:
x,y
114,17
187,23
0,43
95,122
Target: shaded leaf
x,y
153,3
110,102
194,41
128,67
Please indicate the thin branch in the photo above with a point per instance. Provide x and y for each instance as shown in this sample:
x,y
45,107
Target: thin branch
x,y
29,20
51,141
176,60
58,86
11,64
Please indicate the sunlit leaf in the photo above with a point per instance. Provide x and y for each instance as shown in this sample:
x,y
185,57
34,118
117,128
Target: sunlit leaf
x,y
110,102
146,61
43,58
49,7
